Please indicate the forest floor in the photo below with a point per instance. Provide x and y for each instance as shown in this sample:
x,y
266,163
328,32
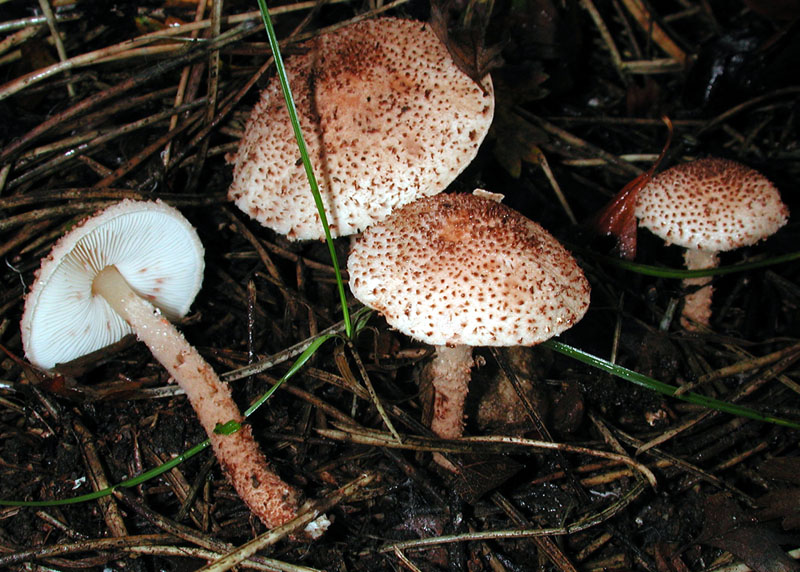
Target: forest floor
x,y
637,480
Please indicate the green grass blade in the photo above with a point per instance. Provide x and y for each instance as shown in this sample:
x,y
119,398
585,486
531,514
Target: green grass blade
x,y
661,272
301,144
660,387
132,482
299,363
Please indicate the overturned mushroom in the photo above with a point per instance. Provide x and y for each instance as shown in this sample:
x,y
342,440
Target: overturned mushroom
x,y
387,115
125,270
708,206
458,271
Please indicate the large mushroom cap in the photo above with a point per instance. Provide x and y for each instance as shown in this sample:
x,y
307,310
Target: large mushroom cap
x,y
463,269
155,249
711,204
387,115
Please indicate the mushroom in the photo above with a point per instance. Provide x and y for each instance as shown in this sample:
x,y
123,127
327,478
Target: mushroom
x,y
126,270
708,206
460,270
387,115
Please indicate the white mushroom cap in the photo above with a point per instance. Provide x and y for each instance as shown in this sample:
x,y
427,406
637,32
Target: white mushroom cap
x,y
463,269
153,246
387,115
711,204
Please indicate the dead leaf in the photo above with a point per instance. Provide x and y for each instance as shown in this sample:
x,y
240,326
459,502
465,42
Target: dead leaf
x,y
569,409
642,98
461,26
618,217
516,140
728,527
36,54
782,469
479,474
499,407
668,559
782,502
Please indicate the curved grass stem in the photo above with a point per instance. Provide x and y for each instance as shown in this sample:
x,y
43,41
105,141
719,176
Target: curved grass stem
x,y
664,388
301,144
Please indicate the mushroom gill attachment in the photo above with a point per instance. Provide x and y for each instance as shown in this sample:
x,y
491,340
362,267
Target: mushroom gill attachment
x,y
709,206
459,270
125,270
387,116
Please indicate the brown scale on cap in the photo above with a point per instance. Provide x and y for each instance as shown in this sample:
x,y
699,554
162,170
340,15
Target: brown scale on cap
x,y
462,269
711,204
387,116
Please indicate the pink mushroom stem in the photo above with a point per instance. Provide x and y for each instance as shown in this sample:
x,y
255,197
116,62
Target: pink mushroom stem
x,y
272,500
450,373
697,304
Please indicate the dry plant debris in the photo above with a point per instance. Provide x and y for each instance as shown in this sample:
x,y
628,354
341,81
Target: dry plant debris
x,y
145,100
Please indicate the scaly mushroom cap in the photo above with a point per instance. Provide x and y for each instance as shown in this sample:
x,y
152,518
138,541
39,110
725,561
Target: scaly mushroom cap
x,y
464,269
154,247
387,115
711,204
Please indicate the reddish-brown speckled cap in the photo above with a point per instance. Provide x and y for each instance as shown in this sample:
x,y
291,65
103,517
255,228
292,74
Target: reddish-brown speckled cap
x,y
464,269
387,115
711,204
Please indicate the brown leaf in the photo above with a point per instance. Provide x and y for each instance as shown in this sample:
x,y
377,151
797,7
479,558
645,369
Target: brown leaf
x,y
781,468
618,217
479,474
569,409
642,99
728,527
462,29
668,559
782,502
516,140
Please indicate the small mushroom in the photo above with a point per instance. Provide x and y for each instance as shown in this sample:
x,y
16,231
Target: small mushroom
x,y
459,270
387,116
708,206
126,270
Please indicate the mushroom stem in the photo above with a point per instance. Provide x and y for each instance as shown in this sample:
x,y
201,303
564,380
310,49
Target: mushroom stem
x,y
450,374
272,500
697,304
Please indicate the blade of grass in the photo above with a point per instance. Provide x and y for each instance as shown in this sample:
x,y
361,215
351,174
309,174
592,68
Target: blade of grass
x,y
664,388
301,144
298,363
661,272
132,482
